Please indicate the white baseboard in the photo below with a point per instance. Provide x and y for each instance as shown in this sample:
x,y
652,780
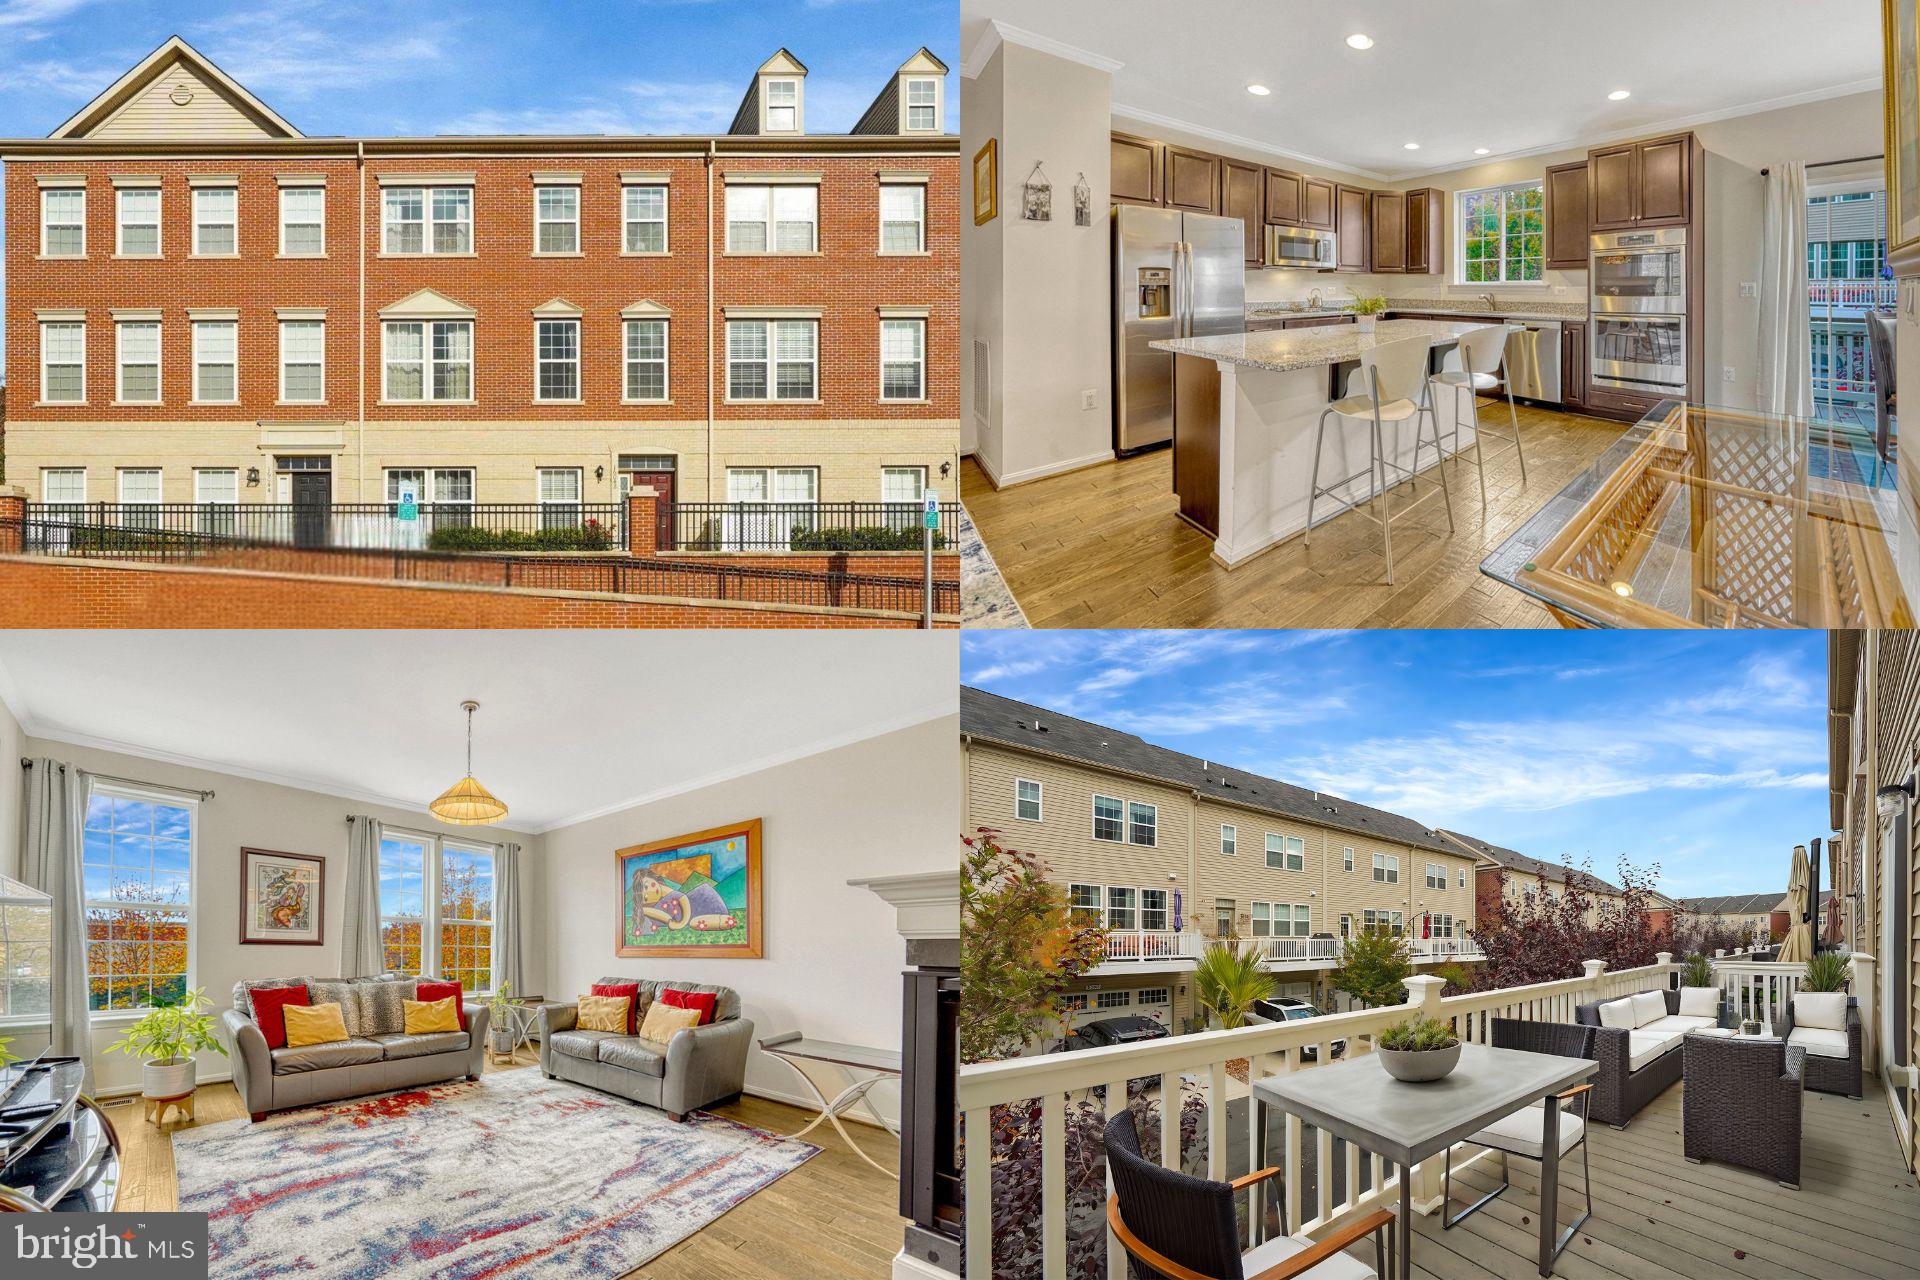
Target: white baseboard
x,y
133,1090
1012,478
910,1268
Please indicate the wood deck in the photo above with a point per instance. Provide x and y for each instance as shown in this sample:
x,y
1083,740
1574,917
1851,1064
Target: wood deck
x,y
1856,1214
1102,547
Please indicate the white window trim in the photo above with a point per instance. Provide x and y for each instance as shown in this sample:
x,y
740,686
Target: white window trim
x,y
120,223
1165,908
44,224
907,104
120,475
920,362
666,355
430,922
234,327
1107,906
65,471
191,803
82,326
216,471
578,361
880,229
427,221
666,220
282,338
120,362
1286,851
193,197
1039,799
773,361
919,471
580,487
1346,857
767,105
321,188
773,222
426,362
1153,809
579,245
1460,199
1093,819
1100,898
1229,836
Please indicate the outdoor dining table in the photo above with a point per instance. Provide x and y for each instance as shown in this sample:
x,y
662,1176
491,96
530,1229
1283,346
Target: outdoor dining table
x,y
1406,1123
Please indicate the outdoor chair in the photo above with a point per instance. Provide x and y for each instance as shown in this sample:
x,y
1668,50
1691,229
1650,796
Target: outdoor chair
x,y
1179,1227
1742,1104
1881,344
1523,1133
1641,1060
1830,1034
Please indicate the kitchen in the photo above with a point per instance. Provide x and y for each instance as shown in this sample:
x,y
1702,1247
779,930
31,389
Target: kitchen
x,y
1254,197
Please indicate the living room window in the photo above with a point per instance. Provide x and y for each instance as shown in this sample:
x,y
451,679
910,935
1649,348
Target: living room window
x,y
436,908
26,958
137,867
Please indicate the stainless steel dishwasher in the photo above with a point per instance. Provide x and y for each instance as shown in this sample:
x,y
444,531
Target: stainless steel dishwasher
x,y
1533,360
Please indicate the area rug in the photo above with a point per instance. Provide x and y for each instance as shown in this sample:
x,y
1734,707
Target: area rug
x,y
515,1176
985,600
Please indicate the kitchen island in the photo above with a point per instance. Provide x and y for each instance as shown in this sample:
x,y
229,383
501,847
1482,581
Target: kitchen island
x,y
1247,408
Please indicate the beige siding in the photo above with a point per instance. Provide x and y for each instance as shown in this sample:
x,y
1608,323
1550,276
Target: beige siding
x,y
1246,877
152,113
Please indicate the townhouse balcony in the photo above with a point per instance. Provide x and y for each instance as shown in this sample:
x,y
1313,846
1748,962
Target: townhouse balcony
x,y
1852,297
1139,950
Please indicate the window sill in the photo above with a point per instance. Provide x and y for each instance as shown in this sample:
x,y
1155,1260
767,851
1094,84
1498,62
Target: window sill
x,y
299,404
136,404
897,253
921,400
796,253
558,253
139,257
646,253
644,403
467,254
60,404
1495,288
537,400
212,404
60,257
212,257
424,404
731,400
300,257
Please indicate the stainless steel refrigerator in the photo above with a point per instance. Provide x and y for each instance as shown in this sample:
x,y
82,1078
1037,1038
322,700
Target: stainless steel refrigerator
x,y
1175,275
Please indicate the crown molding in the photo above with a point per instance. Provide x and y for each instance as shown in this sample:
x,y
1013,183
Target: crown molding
x,y
1156,120
999,33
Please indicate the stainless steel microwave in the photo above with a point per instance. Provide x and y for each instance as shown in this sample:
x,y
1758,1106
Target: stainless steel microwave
x,y
1300,247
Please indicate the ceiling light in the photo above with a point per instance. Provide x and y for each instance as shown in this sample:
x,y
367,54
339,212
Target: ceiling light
x,y
1413,146
1359,41
1258,90
1483,151
1620,95
466,803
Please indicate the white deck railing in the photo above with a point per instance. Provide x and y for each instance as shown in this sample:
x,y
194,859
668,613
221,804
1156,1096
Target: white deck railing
x,y
1201,1060
1160,944
1153,944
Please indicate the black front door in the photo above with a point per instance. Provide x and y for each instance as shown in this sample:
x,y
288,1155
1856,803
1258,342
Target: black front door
x,y
312,505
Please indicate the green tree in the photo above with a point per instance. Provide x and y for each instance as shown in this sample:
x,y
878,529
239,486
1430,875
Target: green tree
x,y
1374,967
1227,981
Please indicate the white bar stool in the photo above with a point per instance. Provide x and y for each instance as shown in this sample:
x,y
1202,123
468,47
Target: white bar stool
x,y
1480,349
1392,374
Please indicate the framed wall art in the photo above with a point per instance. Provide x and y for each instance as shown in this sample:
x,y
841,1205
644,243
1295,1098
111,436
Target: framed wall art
x,y
283,898
986,183
1900,28
692,895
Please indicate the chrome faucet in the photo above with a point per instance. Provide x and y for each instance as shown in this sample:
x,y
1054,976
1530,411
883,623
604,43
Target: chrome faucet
x,y
1488,299
1313,300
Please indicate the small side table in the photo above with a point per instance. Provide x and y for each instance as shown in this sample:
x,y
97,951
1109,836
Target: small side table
x,y
182,1104
523,1015
792,1048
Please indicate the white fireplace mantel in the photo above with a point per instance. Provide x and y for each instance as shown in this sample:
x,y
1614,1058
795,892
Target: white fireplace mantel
x,y
926,904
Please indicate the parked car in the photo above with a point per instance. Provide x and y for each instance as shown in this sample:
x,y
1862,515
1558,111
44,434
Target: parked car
x,y
1294,1009
1130,1029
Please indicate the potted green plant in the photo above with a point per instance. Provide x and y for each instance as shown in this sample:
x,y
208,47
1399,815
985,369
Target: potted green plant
x,y
1827,971
1418,1050
1696,971
501,1035
166,1039
1367,311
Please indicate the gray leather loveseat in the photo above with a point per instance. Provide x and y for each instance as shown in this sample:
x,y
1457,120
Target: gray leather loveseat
x,y
698,1068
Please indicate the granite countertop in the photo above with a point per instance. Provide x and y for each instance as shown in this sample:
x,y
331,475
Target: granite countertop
x,y
1282,350
1430,306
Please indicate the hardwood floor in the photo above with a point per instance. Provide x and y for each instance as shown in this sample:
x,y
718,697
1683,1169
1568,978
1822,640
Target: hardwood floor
x,y
831,1219
1102,547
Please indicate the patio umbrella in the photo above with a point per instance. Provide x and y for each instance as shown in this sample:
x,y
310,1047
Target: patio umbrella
x,y
1835,931
1798,946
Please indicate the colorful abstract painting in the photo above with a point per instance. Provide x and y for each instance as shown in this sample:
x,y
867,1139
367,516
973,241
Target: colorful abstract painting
x,y
281,897
692,895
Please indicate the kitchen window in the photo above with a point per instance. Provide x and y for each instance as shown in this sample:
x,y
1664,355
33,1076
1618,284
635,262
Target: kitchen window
x,y
303,222
646,360
557,359
903,360
1107,823
1501,232
139,222
138,362
1122,908
1153,910
303,361
427,220
215,362
1084,902
903,217
773,219
556,219
1286,853
783,106
428,360
63,363
1026,800
139,487
436,908
923,105
63,222
1142,823
1386,868
559,492
216,212
773,359
137,862
644,214
1228,838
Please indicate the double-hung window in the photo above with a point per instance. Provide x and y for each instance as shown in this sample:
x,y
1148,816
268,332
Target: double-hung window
x,y
63,486
643,212
303,222
783,218
900,486
216,495
140,497
1107,821
783,106
559,492
1153,910
436,908
1501,232
138,361
923,105
303,361
63,362
1386,868
215,362
1346,858
1026,800
429,359
1084,902
556,219
1286,853
139,230
1142,823
773,359
769,505
557,359
1436,876
1229,840
1122,907
137,862
216,216
646,360
903,217
63,222
427,219
903,359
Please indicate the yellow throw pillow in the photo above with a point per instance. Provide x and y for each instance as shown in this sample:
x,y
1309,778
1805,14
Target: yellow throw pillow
x,y
314,1024
603,1013
664,1022
425,1016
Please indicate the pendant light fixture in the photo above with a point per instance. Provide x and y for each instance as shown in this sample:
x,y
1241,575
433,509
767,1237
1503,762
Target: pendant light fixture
x,y
466,803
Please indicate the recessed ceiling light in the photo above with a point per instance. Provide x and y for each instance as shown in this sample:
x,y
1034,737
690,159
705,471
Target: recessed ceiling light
x,y
1483,151
1620,95
1359,41
1413,146
1258,90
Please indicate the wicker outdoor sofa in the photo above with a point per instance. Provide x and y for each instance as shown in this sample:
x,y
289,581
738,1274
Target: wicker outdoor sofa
x,y
1641,1062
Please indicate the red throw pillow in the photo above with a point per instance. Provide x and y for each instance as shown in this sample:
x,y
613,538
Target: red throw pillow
x,y
427,992
268,1003
631,990
701,1000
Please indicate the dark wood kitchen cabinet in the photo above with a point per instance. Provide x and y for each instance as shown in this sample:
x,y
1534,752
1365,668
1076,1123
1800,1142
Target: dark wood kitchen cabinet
x,y
1353,217
1567,219
1192,180
1243,195
1136,167
1316,204
1389,240
1643,184
1283,198
1666,174
1573,365
1426,215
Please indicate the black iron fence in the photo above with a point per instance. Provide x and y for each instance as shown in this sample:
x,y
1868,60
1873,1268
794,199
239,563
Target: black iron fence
x,y
384,526
806,526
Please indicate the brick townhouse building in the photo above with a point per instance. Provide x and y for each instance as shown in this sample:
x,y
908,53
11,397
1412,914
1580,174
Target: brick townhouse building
x,y
205,305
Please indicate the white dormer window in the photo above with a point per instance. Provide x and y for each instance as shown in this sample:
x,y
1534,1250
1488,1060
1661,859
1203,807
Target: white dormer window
x,y
923,105
783,106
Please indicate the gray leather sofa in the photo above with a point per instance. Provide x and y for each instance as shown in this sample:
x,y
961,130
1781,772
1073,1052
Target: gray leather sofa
x,y
698,1068
376,1062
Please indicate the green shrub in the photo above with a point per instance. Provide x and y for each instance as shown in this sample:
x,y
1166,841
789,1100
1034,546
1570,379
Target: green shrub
x,y
1697,971
1417,1034
1827,971
591,536
1458,977
865,538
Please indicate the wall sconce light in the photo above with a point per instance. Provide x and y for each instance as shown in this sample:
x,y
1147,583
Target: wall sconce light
x,y
599,473
253,477
1890,800
946,469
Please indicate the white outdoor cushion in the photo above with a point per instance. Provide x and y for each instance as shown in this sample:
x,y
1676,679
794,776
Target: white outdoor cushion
x,y
1520,1132
1821,1040
1339,1267
1618,1013
1676,1024
1648,1007
1826,1010
1700,1002
1644,1046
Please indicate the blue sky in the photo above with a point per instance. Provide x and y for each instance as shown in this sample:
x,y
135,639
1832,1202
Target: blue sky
x,y
1705,754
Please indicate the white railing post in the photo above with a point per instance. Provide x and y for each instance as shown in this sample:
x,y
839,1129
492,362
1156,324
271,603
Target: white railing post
x,y
1423,993
1868,996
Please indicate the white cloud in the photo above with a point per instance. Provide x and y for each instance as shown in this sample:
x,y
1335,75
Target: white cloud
x,y
22,17
307,50
636,107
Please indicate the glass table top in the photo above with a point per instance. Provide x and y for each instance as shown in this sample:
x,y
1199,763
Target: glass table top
x,y
1715,517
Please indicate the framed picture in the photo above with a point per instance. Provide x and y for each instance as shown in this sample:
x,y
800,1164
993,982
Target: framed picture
x,y
692,895
1900,28
986,183
283,898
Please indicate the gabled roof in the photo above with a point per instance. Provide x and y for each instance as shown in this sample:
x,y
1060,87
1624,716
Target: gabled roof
x,y
782,63
178,74
883,116
992,718
1553,873
1735,904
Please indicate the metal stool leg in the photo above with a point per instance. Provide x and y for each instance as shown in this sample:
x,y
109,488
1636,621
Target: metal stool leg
x,y
1313,487
1440,459
1380,491
1513,415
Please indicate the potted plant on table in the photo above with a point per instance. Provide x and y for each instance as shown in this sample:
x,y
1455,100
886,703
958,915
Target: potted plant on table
x,y
1367,311
1418,1050
166,1039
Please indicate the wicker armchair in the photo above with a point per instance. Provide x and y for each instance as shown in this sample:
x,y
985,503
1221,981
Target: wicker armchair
x,y
1742,1105
1180,1227
1619,1092
1826,1074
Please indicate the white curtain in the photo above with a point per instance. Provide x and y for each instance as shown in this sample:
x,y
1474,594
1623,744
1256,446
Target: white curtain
x,y
56,804
1785,366
508,969
361,955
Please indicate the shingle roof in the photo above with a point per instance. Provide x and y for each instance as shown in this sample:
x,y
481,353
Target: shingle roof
x,y
992,718
1555,873
1734,904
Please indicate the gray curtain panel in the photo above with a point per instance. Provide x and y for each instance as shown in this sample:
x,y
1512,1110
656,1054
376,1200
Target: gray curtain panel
x,y
56,813
507,966
361,955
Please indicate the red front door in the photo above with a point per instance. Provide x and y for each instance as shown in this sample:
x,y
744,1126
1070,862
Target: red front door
x,y
661,482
